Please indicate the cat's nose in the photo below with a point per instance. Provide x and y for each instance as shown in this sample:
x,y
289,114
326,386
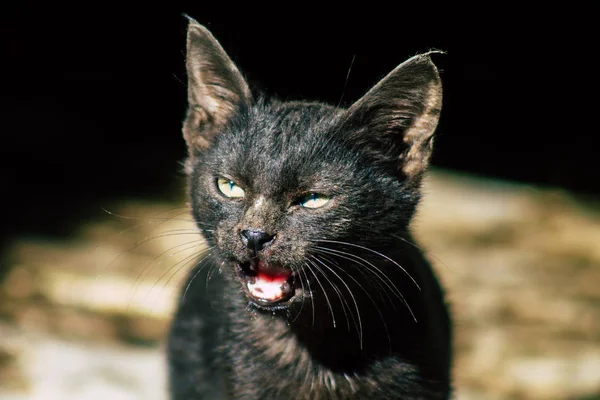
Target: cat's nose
x,y
256,239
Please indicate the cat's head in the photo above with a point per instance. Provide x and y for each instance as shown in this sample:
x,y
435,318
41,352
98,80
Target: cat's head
x,y
287,193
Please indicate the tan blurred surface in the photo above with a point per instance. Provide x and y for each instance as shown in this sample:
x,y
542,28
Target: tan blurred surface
x,y
85,318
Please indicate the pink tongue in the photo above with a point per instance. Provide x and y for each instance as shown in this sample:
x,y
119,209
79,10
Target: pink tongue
x,y
267,286
261,276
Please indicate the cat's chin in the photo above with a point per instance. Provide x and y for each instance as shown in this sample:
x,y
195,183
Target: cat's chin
x,y
267,286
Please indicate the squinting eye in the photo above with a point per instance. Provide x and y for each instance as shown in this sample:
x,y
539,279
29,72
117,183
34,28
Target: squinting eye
x,y
229,188
314,200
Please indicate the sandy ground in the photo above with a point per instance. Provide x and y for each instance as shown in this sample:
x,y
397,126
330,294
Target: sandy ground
x,y
85,318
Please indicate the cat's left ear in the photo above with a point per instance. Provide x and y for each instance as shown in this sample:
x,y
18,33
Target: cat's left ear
x,y
396,119
216,88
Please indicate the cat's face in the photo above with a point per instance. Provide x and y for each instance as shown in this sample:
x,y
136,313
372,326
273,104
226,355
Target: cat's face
x,y
277,186
278,182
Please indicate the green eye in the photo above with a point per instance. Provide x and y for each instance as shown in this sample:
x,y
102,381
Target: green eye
x,y
314,200
229,188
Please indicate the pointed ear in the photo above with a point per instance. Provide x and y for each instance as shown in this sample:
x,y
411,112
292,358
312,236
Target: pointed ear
x,y
396,119
216,88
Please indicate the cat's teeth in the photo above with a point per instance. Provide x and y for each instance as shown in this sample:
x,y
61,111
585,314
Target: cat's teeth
x,y
266,290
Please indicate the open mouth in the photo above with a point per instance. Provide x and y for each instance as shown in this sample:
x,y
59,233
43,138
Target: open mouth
x,y
267,284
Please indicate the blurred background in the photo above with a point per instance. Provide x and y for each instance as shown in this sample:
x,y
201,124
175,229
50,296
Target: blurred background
x,y
95,237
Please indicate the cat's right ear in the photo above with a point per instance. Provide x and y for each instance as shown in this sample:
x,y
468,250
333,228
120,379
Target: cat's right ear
x,y
216,89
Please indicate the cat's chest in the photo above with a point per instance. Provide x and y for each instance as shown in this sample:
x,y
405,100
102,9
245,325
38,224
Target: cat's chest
x,y
268,362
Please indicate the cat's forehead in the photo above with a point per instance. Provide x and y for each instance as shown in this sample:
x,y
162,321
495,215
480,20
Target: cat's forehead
x,y
280,144
290,122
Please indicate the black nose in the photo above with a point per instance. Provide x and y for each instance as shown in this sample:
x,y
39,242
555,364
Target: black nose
x,y
256,239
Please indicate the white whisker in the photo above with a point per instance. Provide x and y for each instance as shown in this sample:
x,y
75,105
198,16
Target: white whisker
x,y
360,328
324,293
200,268
343,301
375,252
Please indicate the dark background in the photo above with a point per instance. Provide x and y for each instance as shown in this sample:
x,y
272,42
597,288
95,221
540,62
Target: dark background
x,y
92,98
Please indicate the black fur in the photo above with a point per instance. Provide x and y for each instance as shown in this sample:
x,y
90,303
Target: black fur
x,y
368,318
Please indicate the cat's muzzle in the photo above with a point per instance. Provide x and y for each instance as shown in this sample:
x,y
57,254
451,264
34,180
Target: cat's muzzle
x,y
267,284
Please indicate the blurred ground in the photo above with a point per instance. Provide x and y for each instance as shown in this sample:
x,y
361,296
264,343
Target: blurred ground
x,y
85,318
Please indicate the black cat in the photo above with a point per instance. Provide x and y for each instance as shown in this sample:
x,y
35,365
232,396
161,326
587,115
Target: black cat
x,y
311,287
